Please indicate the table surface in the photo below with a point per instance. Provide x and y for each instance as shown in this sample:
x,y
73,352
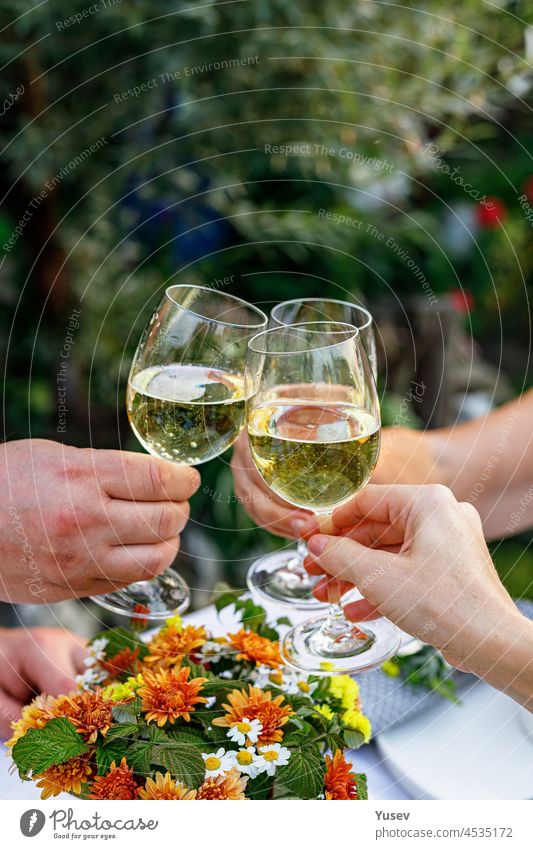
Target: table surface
x,y
381,782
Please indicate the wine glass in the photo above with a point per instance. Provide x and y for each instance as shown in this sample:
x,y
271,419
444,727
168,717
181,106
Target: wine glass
x,y
280,576
185,403
313,421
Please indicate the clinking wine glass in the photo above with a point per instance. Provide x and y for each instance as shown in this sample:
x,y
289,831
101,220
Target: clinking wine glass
x,y
313,423
186,404
280,576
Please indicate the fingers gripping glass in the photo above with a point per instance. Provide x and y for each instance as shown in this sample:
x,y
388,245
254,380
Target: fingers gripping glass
x,y
313,423
185,403
280,576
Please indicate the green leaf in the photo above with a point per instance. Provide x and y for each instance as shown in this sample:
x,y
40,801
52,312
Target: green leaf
x,y
105,755
41,748
362,789
157,735
353,739
124,712
284,620
182,760
139,755
120,732
193,736
260,787
220,687
304,774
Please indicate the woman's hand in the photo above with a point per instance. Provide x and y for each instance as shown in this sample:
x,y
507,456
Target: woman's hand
x,y
33,661
260,502
78,521
419,558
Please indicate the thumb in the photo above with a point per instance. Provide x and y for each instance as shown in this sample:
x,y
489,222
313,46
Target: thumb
x,y
347,560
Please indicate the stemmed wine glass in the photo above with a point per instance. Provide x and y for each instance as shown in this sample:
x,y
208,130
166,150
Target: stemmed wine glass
x,y
280,576
313,424
186,404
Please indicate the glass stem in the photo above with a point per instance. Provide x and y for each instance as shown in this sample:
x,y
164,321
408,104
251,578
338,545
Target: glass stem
x,y
296,563
336,623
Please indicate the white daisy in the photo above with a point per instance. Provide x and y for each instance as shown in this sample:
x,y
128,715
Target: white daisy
x,y
219,762
245,729
211,700
211,651
97,648
248,762
90,677
274,755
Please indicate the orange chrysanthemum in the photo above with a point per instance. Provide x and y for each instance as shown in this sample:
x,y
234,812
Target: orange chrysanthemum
x,y
118,783
229,786
339,781
168,694
88,712
34,715
164,787
125,662
260,650
173,643
67,777
257,704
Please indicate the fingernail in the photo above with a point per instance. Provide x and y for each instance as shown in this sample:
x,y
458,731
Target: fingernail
x,y
297,526
317,544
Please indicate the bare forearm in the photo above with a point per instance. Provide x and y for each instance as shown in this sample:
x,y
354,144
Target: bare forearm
x,y
489,462
505,658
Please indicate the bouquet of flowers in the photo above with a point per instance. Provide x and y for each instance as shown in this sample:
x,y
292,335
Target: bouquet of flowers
x,y
186,715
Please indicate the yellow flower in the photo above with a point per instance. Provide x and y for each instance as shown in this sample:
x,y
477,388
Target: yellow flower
x,y
67,777
174,622
345,689
325,710
122,692
34,715
357,721
391,668
164,787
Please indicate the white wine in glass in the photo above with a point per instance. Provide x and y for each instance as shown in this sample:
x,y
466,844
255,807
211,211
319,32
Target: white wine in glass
x,y
186,404
280,576
314,428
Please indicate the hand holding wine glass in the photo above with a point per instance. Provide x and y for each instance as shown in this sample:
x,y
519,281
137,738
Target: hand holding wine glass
x,y
313,424
186,405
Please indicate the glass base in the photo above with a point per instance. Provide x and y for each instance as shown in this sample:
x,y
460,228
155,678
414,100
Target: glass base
x,y
157,599
281,579
408,645
310,649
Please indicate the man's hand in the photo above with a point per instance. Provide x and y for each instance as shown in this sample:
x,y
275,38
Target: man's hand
x,y
78,521
33,661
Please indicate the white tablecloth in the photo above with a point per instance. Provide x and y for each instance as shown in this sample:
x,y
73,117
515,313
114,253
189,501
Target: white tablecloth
x,y
381,785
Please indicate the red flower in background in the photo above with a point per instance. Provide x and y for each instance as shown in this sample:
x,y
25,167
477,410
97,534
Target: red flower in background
x,y
462,300
491,213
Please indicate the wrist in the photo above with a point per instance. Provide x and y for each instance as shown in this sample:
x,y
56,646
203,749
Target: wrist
x,y
504,656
